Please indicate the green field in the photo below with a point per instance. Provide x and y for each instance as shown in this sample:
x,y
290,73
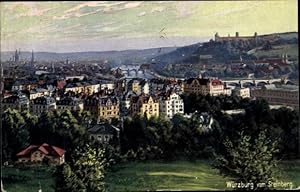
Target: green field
x,y
290,49
28,179
154,176
184,175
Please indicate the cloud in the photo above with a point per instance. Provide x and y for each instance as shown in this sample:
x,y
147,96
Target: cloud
x,y
78,7
23,9
132,5
35,12
249,6
158,9
107,29
142,14
184,9
105,7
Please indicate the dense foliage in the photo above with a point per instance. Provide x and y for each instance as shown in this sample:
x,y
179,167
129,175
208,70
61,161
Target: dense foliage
x,y
85,171
281,124
158,137
249,160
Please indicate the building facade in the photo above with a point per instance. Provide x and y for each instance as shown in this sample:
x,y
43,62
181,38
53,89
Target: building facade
x,y
104,132
69,103
213,87
170,103
36,154
103,107
42,104
18,102
139,86
286,95
241,92
145,105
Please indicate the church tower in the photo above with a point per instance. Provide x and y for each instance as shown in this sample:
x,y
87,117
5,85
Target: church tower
x,y
217,37
32,59
16,57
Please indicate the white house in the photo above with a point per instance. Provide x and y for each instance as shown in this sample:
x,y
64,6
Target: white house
x,y
170,103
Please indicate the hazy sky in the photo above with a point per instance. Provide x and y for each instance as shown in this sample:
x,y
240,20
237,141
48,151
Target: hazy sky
x,y
103,25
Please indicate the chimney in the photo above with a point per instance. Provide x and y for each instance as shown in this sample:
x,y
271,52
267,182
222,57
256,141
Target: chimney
x,y
236,34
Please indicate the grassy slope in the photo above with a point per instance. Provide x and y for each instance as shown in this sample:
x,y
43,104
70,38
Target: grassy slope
x,y
290,172
183,175
291,49
32,177
176,175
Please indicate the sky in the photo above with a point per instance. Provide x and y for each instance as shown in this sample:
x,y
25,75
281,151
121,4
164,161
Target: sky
x,y
119,25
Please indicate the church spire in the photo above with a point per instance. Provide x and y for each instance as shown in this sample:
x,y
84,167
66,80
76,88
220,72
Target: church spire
x,y
32,58
16,57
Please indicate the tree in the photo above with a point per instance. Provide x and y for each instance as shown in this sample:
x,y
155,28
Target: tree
x,y
85,171
66,180
249,159
60,129
15,134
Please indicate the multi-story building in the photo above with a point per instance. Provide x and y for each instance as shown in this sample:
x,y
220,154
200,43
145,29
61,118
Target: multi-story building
x,y
69,103
145,105
157,85
74,87
91,105
102,107
242,92
42,104
38,92
170,103
91,87
83,87
107,85
109,107
203,86
286,95
125,103
22,85
139,86
19,102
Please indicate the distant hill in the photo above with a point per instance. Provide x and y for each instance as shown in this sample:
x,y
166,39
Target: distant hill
x,y
116,57
177,55
222,52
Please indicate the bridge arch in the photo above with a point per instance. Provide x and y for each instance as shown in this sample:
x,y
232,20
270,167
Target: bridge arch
x,y
233,84
248,84
288,82
261,83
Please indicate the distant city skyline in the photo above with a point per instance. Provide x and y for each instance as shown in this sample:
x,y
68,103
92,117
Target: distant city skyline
x,y
105,26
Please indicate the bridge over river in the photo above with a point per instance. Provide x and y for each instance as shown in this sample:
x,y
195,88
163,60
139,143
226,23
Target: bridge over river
x,y
255,82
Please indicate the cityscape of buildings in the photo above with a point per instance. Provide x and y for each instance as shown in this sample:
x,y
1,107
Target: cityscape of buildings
x,y
62,87
149,96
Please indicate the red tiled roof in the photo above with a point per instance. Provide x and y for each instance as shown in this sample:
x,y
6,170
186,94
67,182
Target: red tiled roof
x,y
44,148
59,151
27,150
215,82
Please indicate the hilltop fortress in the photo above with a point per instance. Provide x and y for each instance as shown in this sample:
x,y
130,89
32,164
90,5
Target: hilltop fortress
x,y
256,38
236,37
